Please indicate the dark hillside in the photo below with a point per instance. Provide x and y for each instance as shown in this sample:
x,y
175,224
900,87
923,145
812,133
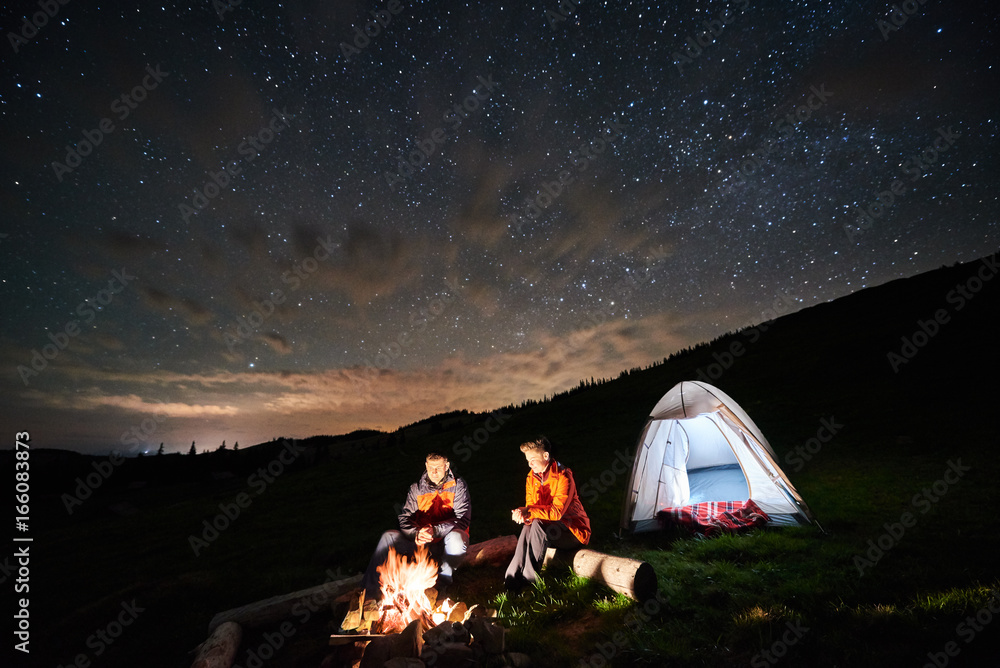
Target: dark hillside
x,y
898,429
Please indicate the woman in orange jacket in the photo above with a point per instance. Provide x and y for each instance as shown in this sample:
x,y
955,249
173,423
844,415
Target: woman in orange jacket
x,y
552,514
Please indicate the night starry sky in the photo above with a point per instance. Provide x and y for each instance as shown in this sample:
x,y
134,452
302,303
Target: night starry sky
x,y
246,221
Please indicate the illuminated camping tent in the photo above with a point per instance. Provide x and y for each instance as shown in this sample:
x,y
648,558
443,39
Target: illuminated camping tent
x,y
698,451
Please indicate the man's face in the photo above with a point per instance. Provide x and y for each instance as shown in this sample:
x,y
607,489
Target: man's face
x,y
537,461
437,469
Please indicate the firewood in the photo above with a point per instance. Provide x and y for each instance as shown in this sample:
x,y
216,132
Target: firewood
x,y
631,577
458,613
352,620
220,648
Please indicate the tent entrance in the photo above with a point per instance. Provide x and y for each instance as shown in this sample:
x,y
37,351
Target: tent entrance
x,y
725,482
711,467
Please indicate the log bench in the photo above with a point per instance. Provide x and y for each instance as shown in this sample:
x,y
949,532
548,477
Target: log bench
x,y
279,608
636,579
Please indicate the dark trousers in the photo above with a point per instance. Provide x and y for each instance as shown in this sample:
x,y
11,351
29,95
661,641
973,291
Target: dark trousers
x,y
535,537
448,552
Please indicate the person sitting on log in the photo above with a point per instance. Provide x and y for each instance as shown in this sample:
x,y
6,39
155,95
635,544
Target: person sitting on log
x,y
552,514
437,514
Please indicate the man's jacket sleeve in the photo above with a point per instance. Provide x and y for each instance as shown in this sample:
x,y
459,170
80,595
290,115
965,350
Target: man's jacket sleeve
x,y
462,506
406,524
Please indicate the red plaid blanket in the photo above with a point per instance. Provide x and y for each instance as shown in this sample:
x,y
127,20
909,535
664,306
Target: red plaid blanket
x,y
715,516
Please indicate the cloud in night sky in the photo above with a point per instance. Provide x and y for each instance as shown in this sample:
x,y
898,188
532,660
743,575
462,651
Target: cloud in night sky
x,y
597,206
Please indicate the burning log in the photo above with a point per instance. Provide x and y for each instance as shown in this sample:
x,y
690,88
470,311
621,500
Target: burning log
x,y
279,608
404,584
220,648
631,577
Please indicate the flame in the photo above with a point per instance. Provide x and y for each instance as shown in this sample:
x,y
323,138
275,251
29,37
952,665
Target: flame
x,y
443,611
403,583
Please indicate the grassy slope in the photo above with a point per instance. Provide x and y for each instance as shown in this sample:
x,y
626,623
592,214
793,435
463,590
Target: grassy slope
x,y
727,599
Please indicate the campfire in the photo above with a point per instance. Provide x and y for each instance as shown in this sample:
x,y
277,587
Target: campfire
x,y
409,621
408,594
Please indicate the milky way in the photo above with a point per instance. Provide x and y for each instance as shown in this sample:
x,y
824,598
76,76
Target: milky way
x,y
241,221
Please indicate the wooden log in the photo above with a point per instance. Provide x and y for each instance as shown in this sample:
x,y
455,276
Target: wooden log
x,y
220,648
631,577
495,551
279,608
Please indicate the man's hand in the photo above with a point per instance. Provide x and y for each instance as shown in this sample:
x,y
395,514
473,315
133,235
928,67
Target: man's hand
x,y
425,535
519,515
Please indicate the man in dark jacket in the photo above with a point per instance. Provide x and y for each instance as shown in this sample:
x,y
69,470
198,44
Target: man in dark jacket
x,y
436,514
